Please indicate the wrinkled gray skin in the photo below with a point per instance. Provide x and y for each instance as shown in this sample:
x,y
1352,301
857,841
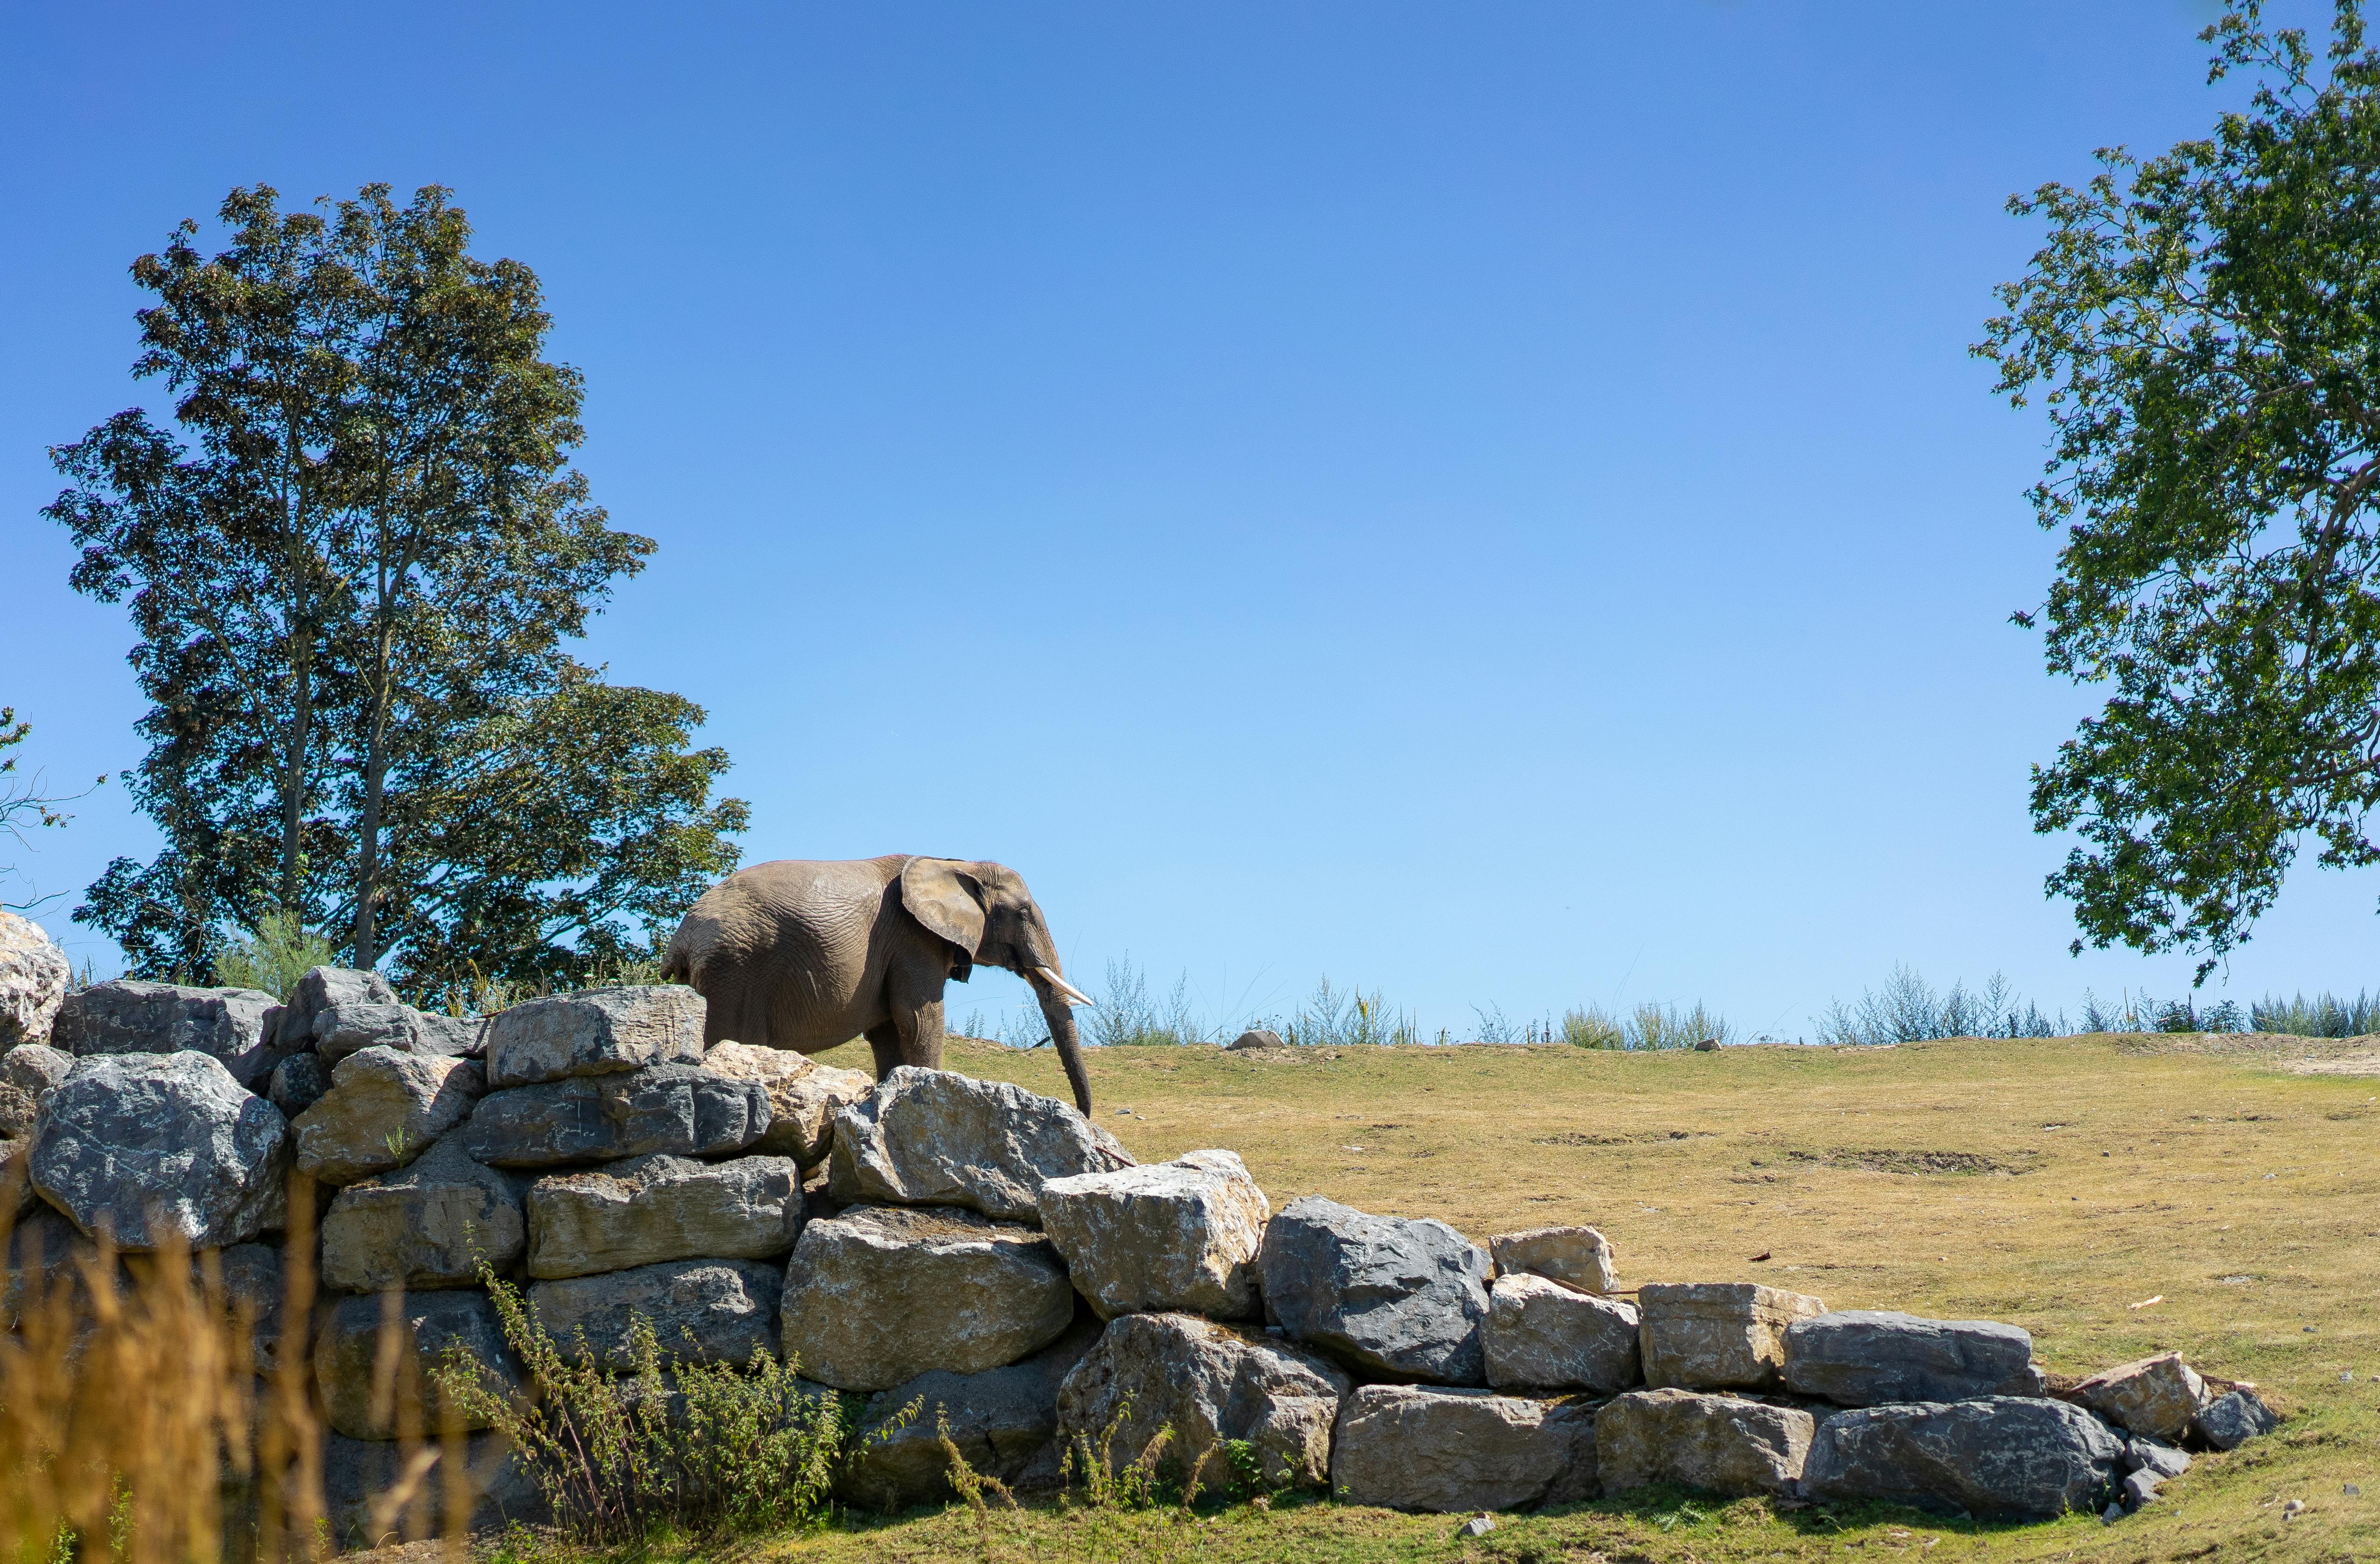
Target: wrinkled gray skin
x,y
802,956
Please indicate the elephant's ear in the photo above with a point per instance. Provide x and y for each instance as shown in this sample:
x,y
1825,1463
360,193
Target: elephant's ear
x,y
946,899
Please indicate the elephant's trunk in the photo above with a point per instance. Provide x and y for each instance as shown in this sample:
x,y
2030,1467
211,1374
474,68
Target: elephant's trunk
x,y
1061,1017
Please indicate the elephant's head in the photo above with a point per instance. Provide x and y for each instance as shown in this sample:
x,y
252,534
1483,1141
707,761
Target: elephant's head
x,y
985,911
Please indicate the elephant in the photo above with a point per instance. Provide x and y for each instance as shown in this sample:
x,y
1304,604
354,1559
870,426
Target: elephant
x,y
802,956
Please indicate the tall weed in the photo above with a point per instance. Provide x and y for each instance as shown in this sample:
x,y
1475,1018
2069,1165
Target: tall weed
x,y
2325,1015
1907,1009
273,958
1349,1018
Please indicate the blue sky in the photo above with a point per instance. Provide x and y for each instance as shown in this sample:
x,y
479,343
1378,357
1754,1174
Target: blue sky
x,y
1487,502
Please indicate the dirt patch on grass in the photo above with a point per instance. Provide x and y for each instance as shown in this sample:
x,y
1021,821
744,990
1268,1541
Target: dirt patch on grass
x,y
1641,1137
1894,1160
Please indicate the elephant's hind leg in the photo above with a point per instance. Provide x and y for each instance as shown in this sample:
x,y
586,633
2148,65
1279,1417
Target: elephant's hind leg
x,y
884,1042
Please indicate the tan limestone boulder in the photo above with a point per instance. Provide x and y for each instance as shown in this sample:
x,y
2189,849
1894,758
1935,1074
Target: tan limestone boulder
x,y
1408,1446
384,1108
1180,1235
33,973
660,1207
2155,1396
879,1294
1721,1444
427,1327
1542,1335
1579,1256
700,1311
1718,1335
431,1223
804,1096
1206,1383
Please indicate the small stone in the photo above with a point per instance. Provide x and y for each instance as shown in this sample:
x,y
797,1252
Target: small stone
x,y
344,1029
879,1294
384,1108
29,1073
127,1016
2231,1420
700,1311
595,1032
2113,1513
932,1137
1478,1526
652,1208
1718,1335
433,1223
151,1144
1206,1383
2141,1453
299,1082
1868,1357
1579,1256
1391,1297
2139,1488
1995,1456
1542,1335
804,1096
1174,1236
2155,1396
327,988
678,1110
1724,1444
1255,1037
33,973
1448,1451
431,1324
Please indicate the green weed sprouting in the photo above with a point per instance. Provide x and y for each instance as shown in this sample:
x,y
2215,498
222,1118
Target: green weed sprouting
x,y
1091,1477
272,960
706,1448
1646,1026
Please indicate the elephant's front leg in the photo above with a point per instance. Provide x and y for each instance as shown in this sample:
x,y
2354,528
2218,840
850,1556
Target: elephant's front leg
x,y
916,1025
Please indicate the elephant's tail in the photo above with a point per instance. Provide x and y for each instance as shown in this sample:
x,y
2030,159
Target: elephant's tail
x,y
677,965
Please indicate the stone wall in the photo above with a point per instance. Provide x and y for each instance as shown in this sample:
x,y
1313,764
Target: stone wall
x,y
992,1254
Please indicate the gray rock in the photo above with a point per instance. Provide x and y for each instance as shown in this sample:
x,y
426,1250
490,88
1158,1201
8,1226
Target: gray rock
x,y
1718,1335
327,988
2153,1456
33,973
673,1109
880,1294
1180,1235
2232,1419
1721,1444
256,1290
930,1137
127,1016
1542,1335
648,1209
17,1196
1579,1256
1003,1421
431,1223
29,1073
1869,1357
430,1326
299,1082
47,1260
1998,1457
383,1109
1255,1037
152,1144
2156,1396
1395,1299
701,1311
1446,1450
357,1474
595,1032
804,1096
1207,1383
2139,1487
350,1027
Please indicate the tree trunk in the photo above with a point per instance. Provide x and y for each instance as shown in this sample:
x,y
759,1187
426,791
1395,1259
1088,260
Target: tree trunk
x,y
293,777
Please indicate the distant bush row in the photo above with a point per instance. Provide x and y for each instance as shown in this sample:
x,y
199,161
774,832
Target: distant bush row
x,y
1905,1009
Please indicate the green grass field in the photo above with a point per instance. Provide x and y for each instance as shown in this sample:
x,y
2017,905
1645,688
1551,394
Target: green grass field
x,y
2050,1183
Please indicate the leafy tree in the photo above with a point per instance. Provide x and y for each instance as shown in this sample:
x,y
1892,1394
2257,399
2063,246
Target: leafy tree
x,y
353,592
2201,327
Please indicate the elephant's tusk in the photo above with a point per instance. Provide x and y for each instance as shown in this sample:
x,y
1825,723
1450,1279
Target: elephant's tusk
x,y
1071,993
